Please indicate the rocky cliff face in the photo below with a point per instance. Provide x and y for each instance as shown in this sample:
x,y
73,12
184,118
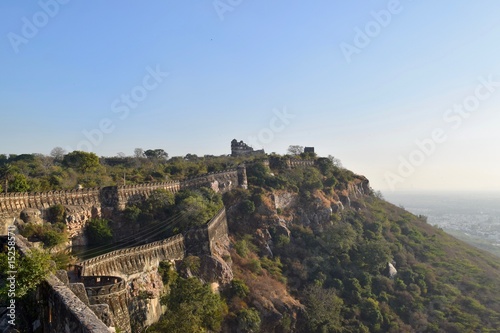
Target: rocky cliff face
x,y
144,294
6,219
272,222
355,189
77,218
318,211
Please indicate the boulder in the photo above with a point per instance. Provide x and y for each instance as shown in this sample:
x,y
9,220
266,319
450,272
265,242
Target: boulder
x,y
213,269
264,240
281,229
31,215
391,270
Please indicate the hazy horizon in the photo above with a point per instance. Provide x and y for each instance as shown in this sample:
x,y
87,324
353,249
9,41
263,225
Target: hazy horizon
x,y
396,90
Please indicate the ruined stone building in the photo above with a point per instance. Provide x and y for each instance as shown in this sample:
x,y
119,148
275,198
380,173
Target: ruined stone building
x,y
241,148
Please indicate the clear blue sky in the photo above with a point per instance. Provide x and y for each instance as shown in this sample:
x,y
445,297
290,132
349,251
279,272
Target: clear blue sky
x,y
231,69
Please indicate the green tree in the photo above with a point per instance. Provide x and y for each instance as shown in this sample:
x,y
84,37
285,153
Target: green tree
x,y
99,232
81,161
198,206
312,179
19,184
31,270
6,174
249,321
323,308
156,154
295,150
374,255
239,288
158,202
192,307
49,234
371,313
247,207
57,213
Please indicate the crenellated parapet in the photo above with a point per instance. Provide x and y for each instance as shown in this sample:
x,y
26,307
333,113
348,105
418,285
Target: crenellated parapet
x,y
16,202
110,290
113,196
59,308
119,196
219,181
296,163
129,261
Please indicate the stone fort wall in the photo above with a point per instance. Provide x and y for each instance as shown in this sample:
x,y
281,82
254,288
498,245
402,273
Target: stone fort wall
x,y
129,261
92,201
119,196
125,263
106,276
112,291
60,309
113,195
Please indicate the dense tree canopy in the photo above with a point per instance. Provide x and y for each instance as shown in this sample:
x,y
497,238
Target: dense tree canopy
x,y
81,161
31,270
191,307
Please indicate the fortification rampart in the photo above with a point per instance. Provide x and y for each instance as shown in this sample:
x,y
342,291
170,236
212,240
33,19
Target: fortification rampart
x,y
16,202
129,261
112,195
110,290
106,277
102,201
119,196
126,262
217,230
60,310
294,163
103,285
198,241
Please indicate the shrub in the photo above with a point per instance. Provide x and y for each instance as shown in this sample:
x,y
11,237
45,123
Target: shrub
x,y
282,241
241,248
255,266
192,307
53,238
131,213
249,321
31,270
192,263
239,288
99,232
57,213
274,268
247,207
323,309
50,235
167,273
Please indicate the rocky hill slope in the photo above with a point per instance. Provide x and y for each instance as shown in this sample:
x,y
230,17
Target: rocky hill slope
x,y
315,250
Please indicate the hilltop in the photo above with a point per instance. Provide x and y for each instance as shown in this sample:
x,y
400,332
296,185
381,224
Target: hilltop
x,y
312,248
315,249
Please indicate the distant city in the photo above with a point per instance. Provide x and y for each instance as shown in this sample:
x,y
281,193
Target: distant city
x,y
472,217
